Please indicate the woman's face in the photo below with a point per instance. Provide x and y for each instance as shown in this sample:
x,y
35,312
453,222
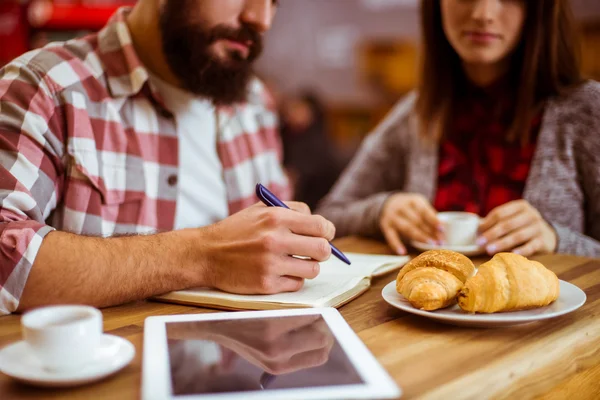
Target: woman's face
x,y
483,32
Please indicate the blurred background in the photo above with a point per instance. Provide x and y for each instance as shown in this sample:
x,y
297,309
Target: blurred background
x,y
335,67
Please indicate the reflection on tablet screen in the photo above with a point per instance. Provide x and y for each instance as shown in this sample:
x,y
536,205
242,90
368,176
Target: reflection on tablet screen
x,y
256,354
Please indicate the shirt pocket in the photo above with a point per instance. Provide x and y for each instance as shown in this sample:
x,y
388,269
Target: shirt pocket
x,y
119,178
109,189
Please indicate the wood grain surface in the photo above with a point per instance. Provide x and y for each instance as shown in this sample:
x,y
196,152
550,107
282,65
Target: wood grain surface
x,y
553,359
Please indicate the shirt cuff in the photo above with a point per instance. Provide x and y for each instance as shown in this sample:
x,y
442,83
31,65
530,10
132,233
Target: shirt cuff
x,y
575,243
20,242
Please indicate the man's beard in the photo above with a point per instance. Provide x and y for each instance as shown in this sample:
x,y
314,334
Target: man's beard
x,y
187,50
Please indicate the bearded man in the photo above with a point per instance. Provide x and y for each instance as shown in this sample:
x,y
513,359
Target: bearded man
x,y
128,160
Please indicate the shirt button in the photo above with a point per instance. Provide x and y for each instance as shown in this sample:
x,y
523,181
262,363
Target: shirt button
x,y
172,180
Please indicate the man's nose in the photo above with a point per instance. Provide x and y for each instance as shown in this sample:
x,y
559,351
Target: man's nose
x,y
258,14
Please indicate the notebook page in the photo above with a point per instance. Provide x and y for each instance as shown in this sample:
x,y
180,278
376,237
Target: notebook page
x,y
365,264
334,279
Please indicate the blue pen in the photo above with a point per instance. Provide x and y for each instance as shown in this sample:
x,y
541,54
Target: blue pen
x,y
270,200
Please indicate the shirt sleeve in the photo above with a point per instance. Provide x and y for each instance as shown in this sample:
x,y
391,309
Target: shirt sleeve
x,y
587,154
30,166
571,242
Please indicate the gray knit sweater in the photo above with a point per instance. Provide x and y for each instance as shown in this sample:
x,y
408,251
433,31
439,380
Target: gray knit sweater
x,y
563,183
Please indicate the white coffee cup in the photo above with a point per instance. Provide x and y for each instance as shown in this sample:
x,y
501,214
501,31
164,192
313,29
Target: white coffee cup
x,y
460,227
63,338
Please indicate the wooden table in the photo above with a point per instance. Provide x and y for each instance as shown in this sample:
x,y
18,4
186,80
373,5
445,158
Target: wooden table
x,y
554,359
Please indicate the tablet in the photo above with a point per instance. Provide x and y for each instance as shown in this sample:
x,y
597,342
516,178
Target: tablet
x,y
284,354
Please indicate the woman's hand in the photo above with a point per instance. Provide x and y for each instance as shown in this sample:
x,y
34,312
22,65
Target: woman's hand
x,y
409,216
517,227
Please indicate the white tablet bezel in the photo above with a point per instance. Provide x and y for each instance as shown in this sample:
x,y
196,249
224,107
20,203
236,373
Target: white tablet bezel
x,y
156,381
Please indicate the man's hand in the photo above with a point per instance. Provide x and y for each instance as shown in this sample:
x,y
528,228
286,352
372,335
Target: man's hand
x,y
251,252
518,227
409,216
285,346
276,345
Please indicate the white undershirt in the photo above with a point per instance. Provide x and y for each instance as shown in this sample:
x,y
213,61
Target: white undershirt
x,y
202,194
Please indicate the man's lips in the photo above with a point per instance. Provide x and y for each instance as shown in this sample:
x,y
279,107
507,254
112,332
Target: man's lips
x,y
242,46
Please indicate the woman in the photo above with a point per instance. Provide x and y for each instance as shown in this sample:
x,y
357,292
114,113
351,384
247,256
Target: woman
x,y
502,125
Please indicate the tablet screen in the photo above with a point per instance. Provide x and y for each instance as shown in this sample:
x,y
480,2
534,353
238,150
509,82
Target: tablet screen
x,y
249,354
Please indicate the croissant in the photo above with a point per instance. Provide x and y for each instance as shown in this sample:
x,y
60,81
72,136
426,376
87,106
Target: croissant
x,y
429,288
432,280
509,282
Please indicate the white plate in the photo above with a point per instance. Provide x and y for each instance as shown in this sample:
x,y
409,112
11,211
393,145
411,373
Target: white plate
x,y
569,300
18,362
469,251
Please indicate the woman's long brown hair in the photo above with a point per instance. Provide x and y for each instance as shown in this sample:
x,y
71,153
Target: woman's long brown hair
x,y
546,63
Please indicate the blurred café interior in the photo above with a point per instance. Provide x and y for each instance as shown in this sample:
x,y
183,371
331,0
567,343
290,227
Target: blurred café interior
x,y
335,68
358,57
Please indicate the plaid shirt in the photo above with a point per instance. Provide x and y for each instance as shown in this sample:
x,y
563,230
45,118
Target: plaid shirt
x,y
87,146
478,168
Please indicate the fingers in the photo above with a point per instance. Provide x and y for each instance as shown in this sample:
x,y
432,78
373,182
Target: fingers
x,y
516,226
513,239
393,239
410,224
317,249
281,328
416,219
297,362
429,216
411,230
501,213
305,269
303,348
309,359
298,206
288,284
301,340
273,283
504,227
301,224
530,248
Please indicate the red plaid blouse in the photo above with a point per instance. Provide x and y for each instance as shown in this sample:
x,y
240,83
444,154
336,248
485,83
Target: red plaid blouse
x,y
479,169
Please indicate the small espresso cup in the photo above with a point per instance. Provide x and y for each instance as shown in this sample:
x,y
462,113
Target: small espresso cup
x,y
460,227
63,338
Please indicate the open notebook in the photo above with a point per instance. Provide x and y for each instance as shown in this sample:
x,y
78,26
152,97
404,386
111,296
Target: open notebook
x,y
336,285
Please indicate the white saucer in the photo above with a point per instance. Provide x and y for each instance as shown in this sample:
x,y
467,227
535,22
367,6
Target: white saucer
x,y
18,362
469,251
569,300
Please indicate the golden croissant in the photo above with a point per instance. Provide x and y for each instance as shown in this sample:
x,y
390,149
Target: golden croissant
x,y
509,282
433,279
